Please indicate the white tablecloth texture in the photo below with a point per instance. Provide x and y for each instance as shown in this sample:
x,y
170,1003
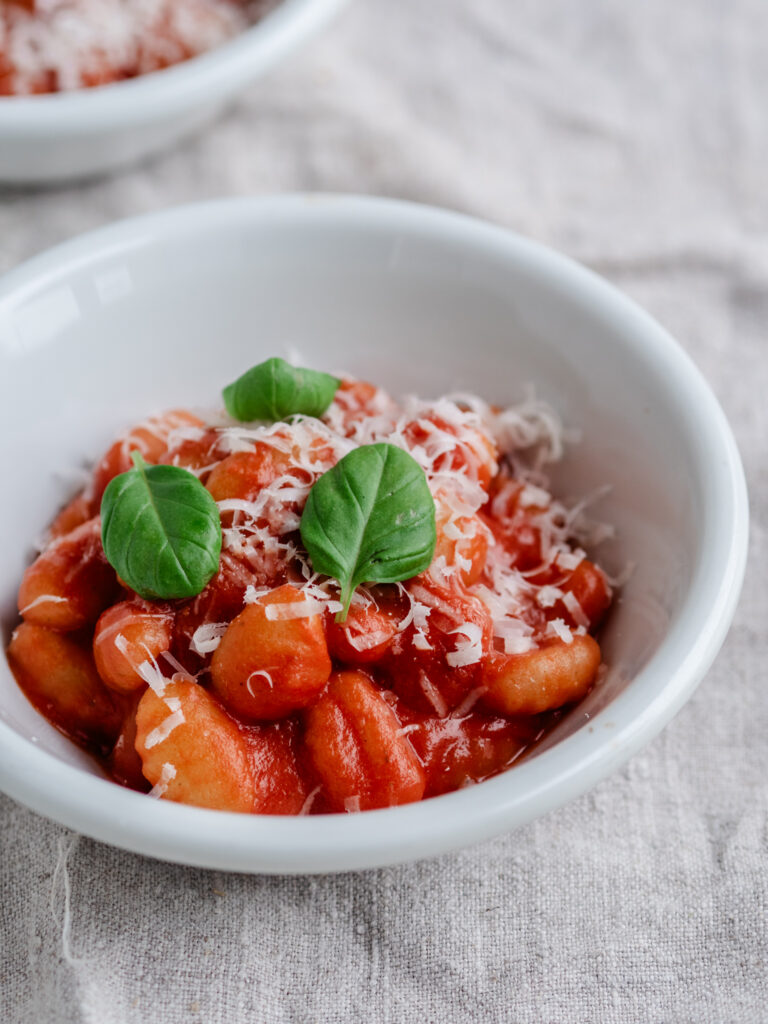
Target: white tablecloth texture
x,y
635,138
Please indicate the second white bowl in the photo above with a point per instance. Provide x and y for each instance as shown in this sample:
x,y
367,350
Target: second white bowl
x,y
87,132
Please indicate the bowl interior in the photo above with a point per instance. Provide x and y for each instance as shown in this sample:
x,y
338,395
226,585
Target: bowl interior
x,y
163,312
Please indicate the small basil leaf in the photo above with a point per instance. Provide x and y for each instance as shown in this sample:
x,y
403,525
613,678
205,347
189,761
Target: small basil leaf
x,y
370,519
161,530
274,390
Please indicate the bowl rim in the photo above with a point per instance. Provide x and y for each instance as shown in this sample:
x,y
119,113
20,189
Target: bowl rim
x,y
200,79
277,845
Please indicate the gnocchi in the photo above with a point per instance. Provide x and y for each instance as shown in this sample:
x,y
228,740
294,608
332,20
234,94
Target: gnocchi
x,y
264,693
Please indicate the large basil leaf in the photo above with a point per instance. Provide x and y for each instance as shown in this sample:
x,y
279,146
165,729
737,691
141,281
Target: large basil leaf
x,y
161,530
274,390
370,519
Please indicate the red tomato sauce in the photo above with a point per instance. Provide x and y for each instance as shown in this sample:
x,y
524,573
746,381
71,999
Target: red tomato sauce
x,y
251,697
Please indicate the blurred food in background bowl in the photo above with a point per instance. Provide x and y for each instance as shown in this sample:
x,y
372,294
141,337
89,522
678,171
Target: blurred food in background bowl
x,y
89,85
51,46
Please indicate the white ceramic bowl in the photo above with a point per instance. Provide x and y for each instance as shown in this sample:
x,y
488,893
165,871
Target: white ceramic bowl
x,y
160,311
87,132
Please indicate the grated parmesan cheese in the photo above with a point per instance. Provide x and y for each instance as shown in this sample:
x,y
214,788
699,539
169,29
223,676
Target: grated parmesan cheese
x,y
571,603
166,727
167,774
150,672
206,638
259,672
548,596
468,703
559,628
433,695
406,729
469,651
43,599
306,806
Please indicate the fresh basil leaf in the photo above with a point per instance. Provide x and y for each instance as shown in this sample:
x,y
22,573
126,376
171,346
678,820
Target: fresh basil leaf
x,y
161,530
274,390
370,519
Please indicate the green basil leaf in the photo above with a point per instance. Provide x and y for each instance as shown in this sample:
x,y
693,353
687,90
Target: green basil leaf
x,y
370,519
161,530
274,390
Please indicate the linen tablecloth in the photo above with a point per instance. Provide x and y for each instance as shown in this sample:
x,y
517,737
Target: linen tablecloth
x,y
635,138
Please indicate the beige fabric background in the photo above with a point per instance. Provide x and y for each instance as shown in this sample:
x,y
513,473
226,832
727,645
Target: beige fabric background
x,y
635,138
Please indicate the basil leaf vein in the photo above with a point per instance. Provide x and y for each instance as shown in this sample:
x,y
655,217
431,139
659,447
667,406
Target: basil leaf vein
x,y
370,519
274,390
161,530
